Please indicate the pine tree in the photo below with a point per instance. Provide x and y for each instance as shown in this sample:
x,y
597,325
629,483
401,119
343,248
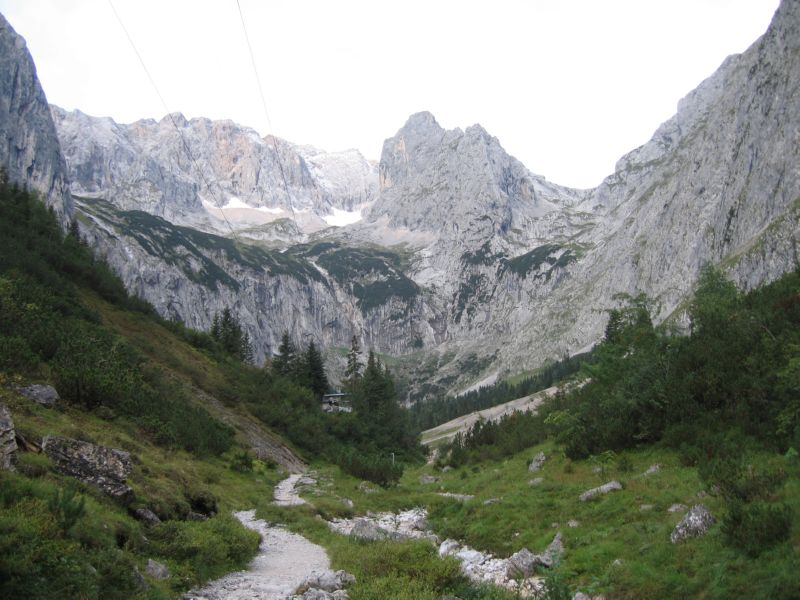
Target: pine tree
x,y
315,371
286,362
227,331
352,373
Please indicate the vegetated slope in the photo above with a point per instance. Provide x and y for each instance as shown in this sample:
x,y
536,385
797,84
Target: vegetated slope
x,y
718,411
66,319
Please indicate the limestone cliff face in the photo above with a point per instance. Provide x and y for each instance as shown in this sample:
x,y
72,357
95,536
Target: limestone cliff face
x,y
29,148
183,169
719,183
465,262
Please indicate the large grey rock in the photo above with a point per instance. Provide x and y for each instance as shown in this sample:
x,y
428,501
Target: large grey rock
x,y
537,462
695,523
46,395
606,488
365,529
29,148
8,442
105,468
156,570
525,562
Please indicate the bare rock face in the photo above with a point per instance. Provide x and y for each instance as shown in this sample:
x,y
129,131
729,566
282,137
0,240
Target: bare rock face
x,y
8,442
105,468
500,270
145,166
695,523
29,147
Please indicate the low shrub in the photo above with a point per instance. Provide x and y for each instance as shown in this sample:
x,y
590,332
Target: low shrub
x,y
756,527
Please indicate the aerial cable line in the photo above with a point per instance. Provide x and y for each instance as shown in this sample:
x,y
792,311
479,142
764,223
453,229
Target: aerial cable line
x,y
266,113
172,119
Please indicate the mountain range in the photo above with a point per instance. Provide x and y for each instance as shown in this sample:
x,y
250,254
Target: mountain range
x,y
449,254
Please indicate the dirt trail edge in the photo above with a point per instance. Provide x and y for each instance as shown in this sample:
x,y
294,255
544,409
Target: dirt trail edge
x,y
284,560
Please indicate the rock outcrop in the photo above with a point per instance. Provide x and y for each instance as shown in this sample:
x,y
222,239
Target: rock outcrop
x,y
46,395
105,468
29,148
695,523
8,442
537,462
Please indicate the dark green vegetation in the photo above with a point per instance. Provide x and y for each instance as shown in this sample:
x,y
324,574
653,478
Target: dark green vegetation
x,y
720,405
425,415
374,276
534,260
45,330
372,442
131,380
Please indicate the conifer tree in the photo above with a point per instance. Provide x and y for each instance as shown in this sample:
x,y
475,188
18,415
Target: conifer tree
x,y
315,371
286,362
352,373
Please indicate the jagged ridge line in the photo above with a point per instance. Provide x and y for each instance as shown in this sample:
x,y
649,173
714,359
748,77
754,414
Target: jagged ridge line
x,y
171,118
266,113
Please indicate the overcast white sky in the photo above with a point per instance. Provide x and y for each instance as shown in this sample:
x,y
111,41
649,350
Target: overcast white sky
x,y
568,86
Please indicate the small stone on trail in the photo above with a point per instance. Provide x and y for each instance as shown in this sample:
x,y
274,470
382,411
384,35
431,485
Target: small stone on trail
x,y
572,523
536,481
426,479
653,469
677,508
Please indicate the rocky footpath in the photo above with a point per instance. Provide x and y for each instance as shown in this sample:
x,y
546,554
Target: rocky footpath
x,y
286,563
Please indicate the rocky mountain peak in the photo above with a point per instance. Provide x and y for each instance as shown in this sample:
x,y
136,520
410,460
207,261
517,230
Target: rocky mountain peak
x,y
29,148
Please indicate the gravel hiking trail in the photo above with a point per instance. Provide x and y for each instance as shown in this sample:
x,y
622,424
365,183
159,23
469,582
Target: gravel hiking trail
x,y
284,560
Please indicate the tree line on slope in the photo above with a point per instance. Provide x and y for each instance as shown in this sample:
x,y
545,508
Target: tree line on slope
x,y
723,396
425,415
47,331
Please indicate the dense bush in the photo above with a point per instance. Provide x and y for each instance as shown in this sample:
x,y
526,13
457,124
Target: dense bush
x,y
738,366
756,527
372,467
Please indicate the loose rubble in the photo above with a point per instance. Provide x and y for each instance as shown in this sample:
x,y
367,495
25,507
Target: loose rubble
x,y
409,524
459,497
515,574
